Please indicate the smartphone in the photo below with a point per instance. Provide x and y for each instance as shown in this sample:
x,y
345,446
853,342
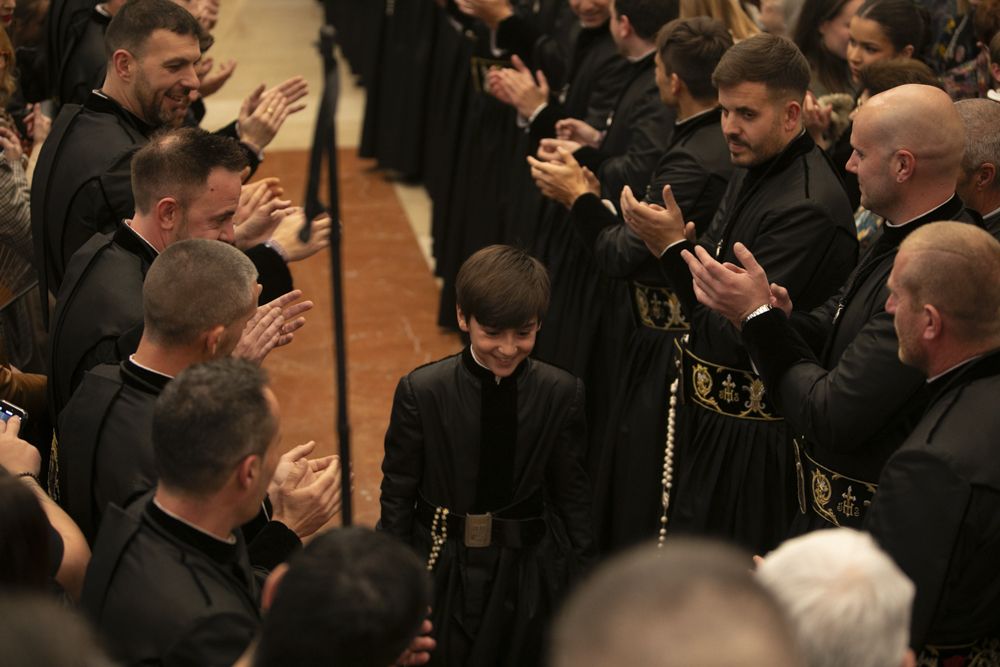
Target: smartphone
x,y
8,410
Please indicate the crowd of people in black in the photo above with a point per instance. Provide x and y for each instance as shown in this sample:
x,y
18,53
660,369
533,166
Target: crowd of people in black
x,y
729,280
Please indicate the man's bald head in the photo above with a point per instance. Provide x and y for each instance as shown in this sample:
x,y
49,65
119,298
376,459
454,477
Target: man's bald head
x,y
954,267
922,120
691,603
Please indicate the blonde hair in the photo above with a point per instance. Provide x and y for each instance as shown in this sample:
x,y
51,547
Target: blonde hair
x,y
729,12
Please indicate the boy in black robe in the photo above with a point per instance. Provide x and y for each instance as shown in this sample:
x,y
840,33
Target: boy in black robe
x,y
483,470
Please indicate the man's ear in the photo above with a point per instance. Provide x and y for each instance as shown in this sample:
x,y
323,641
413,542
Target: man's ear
x,y
271,585
462,323
933,323
624,27
907,52
248,471
903,164
676,84
212,341
124,64
168,213
995,72
792,114
985,176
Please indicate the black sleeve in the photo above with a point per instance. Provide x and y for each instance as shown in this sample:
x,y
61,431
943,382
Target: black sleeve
x,y
273,544
567,482
272,273
916,516
649,128
518,35
402,467
617,250
252,158
219,639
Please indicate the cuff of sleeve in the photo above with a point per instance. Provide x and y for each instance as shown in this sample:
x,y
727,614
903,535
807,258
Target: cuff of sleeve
x,y
273,545
591,216
592,158
768,339
534,114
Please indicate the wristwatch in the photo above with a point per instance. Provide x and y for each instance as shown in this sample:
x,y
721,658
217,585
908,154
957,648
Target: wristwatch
x,y
755,312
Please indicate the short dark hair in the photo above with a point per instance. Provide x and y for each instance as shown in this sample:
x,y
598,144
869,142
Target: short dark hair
x,y
195,285
648,16
691,49
773,61
351,597
830,67
904,22
986,21
503,287
24,549
883,75
177,163
208,419
136,21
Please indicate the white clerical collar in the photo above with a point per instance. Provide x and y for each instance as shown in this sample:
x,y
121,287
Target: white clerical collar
x,y
635,59
995,211
496,378
917,217
128,225
956,366
993,95
131,358
229,540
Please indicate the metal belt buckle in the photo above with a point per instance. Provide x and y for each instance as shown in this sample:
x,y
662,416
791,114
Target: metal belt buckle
x,y
478,530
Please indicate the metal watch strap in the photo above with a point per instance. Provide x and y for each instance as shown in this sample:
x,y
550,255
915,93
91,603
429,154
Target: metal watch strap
x,y
757,311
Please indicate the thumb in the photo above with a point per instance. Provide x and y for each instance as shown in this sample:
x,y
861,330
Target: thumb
x,y
567,157
518,64
668,198
543,82
746,258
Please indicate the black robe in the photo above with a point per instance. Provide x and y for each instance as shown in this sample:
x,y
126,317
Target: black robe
x,y
106,456
86,62
937,512
83,184
162,593
991,222
835,375
733,471
459,440
98,317
629,456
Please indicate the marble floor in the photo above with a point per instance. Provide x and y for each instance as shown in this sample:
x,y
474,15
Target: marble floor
x,y
390,293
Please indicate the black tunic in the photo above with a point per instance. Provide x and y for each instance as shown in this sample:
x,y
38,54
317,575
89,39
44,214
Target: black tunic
x,y
630,453
106,456
937,512
163,593
459,440
86,62
83,182
835,375
733,474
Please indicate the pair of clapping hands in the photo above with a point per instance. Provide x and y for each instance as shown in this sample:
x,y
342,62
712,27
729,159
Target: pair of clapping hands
x,y
731,290
554,169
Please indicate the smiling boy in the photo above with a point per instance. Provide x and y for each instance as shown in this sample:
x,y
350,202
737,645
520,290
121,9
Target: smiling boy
x,y
483,470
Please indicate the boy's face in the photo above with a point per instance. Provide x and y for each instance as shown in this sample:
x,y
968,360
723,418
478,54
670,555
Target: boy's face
x,y
500,350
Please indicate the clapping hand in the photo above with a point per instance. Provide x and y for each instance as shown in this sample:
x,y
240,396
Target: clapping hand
x,y
260,211
273,325
518,87
305,493
658,226
574,129
562,180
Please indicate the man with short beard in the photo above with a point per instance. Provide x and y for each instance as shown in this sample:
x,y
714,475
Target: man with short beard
x,y
82,183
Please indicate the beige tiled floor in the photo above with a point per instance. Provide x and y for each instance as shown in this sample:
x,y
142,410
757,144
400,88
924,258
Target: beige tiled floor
x,y
273,40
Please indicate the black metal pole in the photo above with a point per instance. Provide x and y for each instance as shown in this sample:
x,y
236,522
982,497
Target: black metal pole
x,y
325,143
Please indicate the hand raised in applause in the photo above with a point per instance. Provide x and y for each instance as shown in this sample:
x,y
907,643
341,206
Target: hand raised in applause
x,y
548,149
305,493
273,325
259,213
657,226
732,291
816,119
490,12
212,81
573,129
518,87
562,180
264,111
286,234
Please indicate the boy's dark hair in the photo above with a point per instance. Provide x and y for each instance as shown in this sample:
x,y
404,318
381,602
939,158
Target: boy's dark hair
x,y
882,75
136,21
774,61
904,22
648,16
503,287
351,597
691,49
177,163
208,419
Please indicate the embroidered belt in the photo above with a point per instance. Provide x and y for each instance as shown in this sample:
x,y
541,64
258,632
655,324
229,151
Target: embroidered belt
x,y
974,654
481,68
837,499
483,530
658,308
728,391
